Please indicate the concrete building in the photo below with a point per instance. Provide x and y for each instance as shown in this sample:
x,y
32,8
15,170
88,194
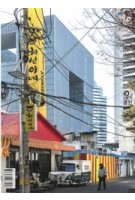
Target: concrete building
x,y
69,74
128,143
85,140
124,71
118,84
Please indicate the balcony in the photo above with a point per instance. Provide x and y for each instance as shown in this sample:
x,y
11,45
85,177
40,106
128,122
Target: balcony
x,y
128,36
129,74
125,82
130,59
129,67
129,44
129,52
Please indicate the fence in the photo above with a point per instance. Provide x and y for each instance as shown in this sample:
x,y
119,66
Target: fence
x,y
109,162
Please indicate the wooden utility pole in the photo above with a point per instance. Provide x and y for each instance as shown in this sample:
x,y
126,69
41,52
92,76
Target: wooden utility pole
x,y
24,149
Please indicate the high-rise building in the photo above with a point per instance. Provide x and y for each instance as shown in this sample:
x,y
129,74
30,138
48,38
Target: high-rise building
x,y
100,115
128,58
69,74
123,95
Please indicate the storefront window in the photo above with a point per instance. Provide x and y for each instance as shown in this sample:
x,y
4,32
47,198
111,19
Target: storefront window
x,y
40,162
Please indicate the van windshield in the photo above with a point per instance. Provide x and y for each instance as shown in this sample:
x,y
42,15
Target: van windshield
x,y
67,167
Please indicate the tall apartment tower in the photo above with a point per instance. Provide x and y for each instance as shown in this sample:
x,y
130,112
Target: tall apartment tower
x,y
100,115
122,94
128,59
118,83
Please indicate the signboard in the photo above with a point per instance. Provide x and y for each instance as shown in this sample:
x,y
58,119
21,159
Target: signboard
x,y
127,98
30,117
36,57
124,153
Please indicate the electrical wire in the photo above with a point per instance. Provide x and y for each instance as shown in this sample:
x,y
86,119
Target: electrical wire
x,y
10,103
85,122
67,79
108,115
59,70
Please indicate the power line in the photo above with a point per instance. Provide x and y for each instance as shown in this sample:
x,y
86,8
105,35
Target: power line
x,y
6,12
79,102
58,69
78,118
86,122
90,86
74,101
10,103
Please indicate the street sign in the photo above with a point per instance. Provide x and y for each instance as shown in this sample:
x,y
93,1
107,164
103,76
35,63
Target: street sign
x,y
30,117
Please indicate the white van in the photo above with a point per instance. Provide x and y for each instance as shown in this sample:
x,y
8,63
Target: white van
x,y
72,172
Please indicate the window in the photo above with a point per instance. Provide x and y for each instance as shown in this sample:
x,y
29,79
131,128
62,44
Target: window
x,y
76,92
67,167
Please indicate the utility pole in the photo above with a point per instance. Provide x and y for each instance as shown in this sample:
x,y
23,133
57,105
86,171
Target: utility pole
x,y
24,174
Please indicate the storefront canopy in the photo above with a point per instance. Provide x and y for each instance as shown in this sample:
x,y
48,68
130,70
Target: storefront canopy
x,y
46,136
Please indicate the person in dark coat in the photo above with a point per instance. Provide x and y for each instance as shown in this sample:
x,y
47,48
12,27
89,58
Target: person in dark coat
x,y
102,176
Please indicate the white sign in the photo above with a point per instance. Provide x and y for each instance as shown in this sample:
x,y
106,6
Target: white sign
x,y
10,178
127,98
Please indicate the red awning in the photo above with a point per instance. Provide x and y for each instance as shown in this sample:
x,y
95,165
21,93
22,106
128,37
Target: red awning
x,y
46,137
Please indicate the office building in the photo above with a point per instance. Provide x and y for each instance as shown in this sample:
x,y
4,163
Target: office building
x,y
69,74
100,115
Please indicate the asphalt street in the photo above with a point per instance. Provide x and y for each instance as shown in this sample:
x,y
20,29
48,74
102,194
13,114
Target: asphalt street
x,y
122,185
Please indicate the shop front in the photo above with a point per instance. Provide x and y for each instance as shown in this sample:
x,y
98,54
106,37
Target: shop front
x,y
45,146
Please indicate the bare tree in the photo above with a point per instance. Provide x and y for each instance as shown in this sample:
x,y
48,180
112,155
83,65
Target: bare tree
x,y
107,34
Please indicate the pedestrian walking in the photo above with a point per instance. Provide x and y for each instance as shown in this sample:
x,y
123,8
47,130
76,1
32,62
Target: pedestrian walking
x,y
102,176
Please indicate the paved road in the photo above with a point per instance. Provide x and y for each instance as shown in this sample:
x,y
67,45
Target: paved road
x,y
114,186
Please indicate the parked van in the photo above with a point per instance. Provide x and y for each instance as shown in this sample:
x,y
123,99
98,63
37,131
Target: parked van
x,y
72,172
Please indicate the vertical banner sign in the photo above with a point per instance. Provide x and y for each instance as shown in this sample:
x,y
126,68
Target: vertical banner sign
x,y
36,57
30,117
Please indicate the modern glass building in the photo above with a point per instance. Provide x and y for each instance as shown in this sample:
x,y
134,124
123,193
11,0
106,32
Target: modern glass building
x,y
69,74
100,115
9,59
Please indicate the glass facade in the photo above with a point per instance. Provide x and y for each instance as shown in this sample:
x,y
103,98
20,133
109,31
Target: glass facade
x,y
69,74
100,115
9,59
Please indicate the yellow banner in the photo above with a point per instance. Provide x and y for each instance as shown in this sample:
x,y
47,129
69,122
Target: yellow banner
x,y
30,117
36,57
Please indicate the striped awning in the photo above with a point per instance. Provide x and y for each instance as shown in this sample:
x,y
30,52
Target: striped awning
x,y
5,145
42,144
